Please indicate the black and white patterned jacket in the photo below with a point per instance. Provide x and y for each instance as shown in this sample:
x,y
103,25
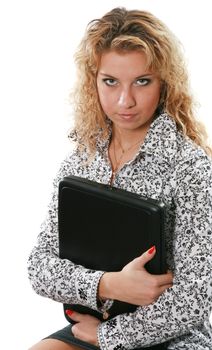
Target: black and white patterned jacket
x,y
171,168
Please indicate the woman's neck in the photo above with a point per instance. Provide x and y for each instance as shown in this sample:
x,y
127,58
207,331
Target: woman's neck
x,y
127,138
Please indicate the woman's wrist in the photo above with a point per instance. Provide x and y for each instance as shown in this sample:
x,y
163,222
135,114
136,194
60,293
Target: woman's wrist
x,y
107,286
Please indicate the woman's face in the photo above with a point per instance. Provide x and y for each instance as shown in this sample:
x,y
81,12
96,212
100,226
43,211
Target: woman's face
x,y
129,93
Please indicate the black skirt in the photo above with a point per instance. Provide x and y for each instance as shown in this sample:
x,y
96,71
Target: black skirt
x,y
66,335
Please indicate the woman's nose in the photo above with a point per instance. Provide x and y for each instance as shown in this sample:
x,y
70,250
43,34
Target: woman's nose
x,y
126,99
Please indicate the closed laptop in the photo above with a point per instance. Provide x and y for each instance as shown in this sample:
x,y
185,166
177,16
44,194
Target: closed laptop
x,y
104,228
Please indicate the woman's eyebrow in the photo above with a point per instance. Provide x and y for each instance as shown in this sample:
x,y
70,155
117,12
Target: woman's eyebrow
x,y
138,77
107,75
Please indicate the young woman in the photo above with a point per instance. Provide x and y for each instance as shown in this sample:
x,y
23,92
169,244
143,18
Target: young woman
x,y
135,129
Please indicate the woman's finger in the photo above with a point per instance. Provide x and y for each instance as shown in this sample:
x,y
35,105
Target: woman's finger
x,y
75,316
164,279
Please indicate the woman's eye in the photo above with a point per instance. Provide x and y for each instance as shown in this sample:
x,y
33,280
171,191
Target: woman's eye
x,y
142,82
110,82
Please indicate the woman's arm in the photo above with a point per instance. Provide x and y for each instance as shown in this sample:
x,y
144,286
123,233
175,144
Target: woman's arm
x,y
50,276
186,305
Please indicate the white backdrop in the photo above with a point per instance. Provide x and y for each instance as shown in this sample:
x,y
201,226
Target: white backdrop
x,y
38,39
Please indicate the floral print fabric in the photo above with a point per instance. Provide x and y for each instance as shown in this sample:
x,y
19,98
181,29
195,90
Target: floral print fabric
x,y
168,167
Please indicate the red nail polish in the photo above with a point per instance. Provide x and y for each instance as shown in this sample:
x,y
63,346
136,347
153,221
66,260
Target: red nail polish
x,y
151,250
69,312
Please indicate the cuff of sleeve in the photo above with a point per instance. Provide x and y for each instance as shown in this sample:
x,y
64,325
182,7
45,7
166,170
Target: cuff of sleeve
x,y
110,335
86,287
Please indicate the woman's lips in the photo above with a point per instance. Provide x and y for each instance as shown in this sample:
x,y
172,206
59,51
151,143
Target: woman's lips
x,y
127,115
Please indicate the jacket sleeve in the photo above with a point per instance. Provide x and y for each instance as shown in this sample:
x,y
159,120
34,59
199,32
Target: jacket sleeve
x,y
187,304
55,278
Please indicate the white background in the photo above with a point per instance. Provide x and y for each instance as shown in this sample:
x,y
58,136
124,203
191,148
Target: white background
x,y
37,42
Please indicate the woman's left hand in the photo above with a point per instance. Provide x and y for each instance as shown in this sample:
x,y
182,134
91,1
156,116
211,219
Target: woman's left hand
x,y
86,327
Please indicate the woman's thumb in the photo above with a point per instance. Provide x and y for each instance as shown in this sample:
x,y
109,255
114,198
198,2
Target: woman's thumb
x,y
146,256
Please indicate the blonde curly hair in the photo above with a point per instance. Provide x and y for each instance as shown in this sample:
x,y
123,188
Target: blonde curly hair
x,y
124,30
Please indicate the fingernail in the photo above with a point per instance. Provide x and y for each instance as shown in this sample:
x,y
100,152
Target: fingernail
x,y
69,312
151,250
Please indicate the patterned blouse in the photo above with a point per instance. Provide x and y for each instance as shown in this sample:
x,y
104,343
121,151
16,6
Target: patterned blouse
x,y
168,167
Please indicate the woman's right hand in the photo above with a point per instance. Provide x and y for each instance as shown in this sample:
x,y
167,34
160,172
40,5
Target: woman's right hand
x,y
133,284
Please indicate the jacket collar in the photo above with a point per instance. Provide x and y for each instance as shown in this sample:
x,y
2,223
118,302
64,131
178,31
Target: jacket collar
x,y
162,137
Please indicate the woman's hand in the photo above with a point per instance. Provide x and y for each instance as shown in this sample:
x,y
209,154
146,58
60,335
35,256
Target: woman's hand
x,y
133,284
86,327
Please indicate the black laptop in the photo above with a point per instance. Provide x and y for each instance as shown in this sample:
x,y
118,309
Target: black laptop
x,y
103,228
